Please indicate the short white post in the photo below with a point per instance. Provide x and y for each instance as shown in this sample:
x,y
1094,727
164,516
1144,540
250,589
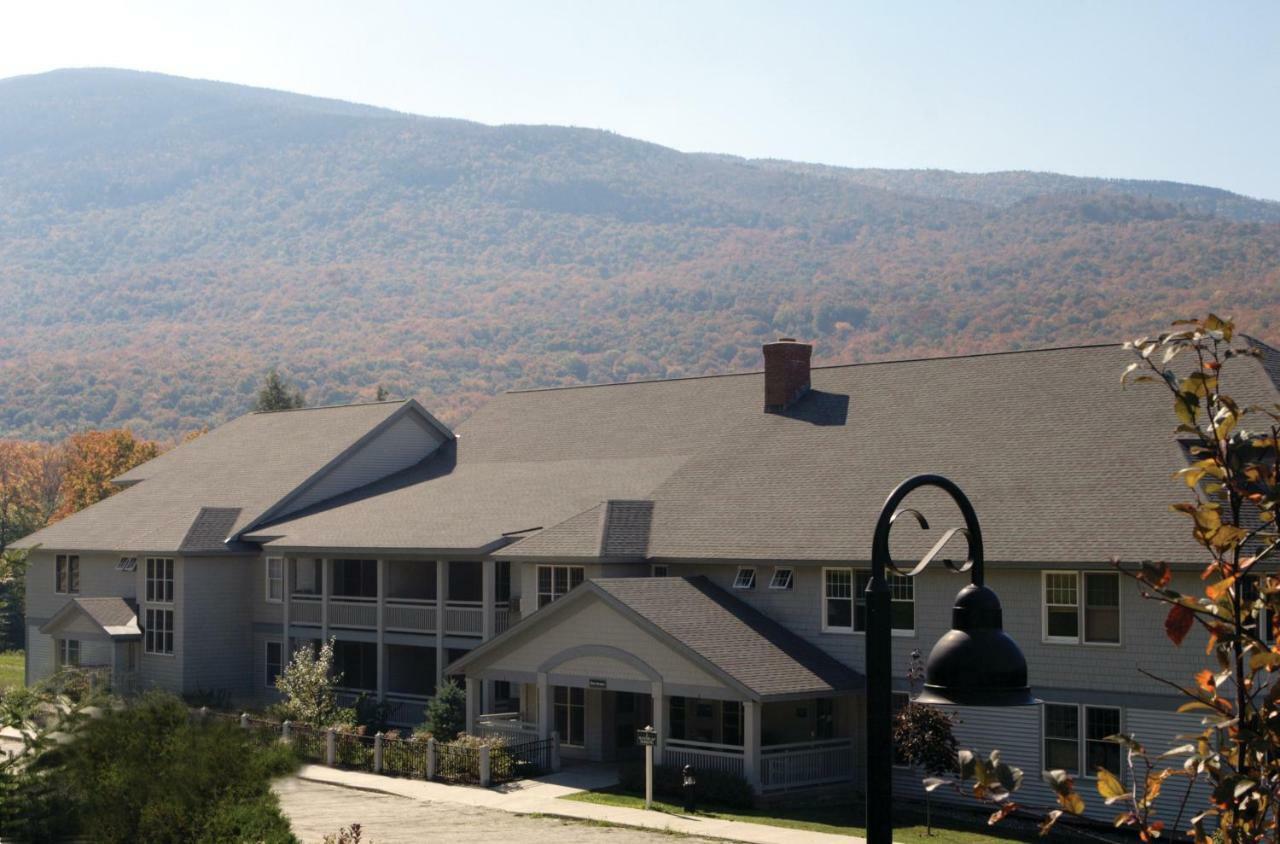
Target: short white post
x,y
377,753
648,776
555,752
204,713
431,758
485,774
244,720
284,731
330,747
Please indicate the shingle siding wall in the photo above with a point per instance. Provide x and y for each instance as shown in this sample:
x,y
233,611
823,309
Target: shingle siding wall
x,y
40,655
218,630
402,444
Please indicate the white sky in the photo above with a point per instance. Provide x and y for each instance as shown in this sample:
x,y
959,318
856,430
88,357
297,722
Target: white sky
x,y
1166,90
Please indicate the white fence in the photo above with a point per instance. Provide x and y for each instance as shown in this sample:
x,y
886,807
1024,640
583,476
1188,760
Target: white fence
x,y
703,756
809,763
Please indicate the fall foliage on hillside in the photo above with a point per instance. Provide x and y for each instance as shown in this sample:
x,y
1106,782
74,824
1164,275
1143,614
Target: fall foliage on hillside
x,y
165,241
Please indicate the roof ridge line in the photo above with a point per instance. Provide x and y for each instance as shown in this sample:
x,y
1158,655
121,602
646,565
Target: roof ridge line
x,y
326,407
1070,347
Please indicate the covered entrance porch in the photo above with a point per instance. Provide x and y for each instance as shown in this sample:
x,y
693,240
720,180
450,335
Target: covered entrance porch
x,y
726,688
100,636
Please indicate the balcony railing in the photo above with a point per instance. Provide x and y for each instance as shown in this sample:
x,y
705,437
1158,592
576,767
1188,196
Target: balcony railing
x,y
409,615
351,611
785,766
463,618
401,615
305,609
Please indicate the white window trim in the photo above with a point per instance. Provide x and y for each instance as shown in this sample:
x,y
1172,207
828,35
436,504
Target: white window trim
x,y
66,558
1082,728
851,630
537,582
791,579
1079,638
737,578
266,660
1084,601
173,630
172,580
64,650
268,578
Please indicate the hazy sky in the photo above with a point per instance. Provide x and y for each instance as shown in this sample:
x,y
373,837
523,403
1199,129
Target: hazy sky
x,y
1161,90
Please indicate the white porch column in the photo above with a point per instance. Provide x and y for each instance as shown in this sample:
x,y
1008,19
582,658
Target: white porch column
x,y
751,743
442,595
286,589
659,721
473,704
545,719
326,576
382,633
488,621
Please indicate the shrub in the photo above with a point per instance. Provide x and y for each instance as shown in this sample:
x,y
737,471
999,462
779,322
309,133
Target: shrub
x,y
714,787
447,712
259,821
310,687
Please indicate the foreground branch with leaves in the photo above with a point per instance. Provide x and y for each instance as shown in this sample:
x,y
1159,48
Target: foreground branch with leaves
x,y
1234,487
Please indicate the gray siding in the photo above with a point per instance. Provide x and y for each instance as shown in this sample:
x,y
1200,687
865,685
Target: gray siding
x,y
217,624
400,445
40,655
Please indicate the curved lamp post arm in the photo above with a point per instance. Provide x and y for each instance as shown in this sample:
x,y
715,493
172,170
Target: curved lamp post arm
x,y
880,558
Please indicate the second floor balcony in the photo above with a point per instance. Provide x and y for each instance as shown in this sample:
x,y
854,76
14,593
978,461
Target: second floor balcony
x,y
401,596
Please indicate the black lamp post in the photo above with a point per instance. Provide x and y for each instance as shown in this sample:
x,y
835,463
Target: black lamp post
x,y
974,664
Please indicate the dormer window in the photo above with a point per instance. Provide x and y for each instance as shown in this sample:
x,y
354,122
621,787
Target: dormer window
x,y
783,578
746,578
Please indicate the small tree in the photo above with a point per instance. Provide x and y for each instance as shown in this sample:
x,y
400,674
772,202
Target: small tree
x,y
382,394
277,394
447,712
309,686
922,737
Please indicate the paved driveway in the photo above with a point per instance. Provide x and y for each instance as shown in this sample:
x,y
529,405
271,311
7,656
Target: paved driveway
x,y
315,809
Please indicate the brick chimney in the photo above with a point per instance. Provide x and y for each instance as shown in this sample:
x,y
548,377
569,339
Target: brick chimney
x,y
786,373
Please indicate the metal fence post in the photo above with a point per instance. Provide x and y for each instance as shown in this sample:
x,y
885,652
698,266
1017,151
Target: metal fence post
x,y
431,758
330,747
284,731
244,720
377,753
486,777
555,752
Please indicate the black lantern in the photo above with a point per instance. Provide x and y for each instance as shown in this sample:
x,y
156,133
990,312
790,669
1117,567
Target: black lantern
x,y
974,664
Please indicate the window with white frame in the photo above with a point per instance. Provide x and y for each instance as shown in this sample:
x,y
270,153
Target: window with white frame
x,y
275,579
844,602
554,582
1086,612
783,578
275,656
66,574
69,653
1076,738
159,580
157,637
307,576
570,707
745,578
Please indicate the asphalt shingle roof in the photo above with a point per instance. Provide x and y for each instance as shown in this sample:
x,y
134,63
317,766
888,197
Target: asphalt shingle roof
x,y
739,640
117,616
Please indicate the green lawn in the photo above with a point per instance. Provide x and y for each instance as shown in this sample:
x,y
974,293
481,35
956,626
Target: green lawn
x,y
11,669
909,828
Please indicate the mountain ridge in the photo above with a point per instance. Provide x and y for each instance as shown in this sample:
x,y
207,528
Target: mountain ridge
x,y
163,241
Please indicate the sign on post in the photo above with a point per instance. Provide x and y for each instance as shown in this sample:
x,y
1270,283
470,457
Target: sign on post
x,y
647,738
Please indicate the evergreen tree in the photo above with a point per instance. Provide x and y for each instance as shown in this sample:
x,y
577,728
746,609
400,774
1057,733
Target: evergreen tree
x,y
447,712
278,394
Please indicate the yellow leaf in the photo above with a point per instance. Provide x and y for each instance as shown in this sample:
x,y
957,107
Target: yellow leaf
x,y
1109,787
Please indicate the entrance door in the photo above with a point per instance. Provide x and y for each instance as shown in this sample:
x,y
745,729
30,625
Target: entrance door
x,y
631,712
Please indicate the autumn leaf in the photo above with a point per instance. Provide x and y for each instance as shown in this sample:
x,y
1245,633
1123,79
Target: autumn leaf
x,y
1109,787
1178,623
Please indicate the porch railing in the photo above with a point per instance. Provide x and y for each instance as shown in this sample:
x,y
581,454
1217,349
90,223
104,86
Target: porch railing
x,y
406,710
463,618
785,766
351,611
506,724
410,615
703,756
503,617
304,609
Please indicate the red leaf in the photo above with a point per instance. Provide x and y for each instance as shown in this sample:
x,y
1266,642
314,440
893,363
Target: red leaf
x,y
1178,624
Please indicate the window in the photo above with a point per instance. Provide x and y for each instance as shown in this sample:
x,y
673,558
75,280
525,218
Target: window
x,y
69,652
308,576
275,580
658,571
845,603
66,574
731,722
745,579
1067,749
159,580
274,658
570,711
678,718
127,564
502,582
783,578
158,636
554,582
1096,612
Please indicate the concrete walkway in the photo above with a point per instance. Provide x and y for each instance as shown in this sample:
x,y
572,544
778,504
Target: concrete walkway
x,y
542,797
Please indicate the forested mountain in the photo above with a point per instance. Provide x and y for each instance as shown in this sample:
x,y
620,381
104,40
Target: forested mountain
x,y
164,241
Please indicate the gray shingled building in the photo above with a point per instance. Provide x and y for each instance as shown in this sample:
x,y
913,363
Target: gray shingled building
x,y
595,559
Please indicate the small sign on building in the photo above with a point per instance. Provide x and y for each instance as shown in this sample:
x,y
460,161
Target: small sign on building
x,y
597,683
